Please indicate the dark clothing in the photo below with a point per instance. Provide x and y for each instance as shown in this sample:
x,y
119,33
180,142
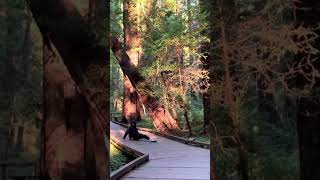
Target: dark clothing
x,y
140,136
134,134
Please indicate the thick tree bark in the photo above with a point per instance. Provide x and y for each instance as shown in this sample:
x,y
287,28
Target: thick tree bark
x,y
186,116
61,23
307,14
205,49
132,45
92,8
68,134
130,110
173,108
206,112
72,37
162,119
220,17
234,111
70,34
132,36
209,6
165,94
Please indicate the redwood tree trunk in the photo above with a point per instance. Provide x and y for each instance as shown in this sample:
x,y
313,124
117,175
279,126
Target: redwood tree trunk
x,y
307,13
66,129
130,103
206,112
173,108
82,124
92,8
132,45
205,50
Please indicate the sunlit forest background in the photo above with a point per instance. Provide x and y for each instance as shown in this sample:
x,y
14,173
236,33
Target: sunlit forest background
x,y
168,39
236,66
228,73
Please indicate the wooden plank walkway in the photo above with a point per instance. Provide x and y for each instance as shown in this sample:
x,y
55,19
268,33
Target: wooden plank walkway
x,y
168,159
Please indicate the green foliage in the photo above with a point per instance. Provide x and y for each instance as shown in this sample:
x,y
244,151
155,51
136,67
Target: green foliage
x,y
116,18
117,158
170,5
171,34
154,68
278,164
170,29
146,123
171,45
226,165
253,99
116,84
272,148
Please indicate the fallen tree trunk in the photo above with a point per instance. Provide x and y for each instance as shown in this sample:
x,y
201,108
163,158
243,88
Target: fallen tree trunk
x,y
162,118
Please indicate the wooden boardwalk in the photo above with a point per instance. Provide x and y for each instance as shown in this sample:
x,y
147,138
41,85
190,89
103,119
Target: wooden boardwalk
x,y
169,160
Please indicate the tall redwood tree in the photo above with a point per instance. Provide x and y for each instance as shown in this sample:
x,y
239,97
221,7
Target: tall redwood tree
x,y
75,142
132,45
307,14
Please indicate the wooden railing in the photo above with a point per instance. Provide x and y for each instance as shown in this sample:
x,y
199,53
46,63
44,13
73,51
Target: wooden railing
x,y
140,159
6,164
